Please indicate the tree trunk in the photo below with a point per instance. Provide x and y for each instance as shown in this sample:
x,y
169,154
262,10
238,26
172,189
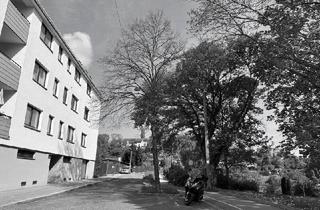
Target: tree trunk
x,y
155,158
227,170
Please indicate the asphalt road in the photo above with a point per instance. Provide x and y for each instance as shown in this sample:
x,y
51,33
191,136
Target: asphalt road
x,y
124,192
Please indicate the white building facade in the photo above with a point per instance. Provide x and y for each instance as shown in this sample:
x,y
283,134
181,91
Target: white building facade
x,y
49,107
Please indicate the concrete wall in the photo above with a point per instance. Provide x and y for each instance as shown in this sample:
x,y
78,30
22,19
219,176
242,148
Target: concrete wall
x,y
14,170
71,171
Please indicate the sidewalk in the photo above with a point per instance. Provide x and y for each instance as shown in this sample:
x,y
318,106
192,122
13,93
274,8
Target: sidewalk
x,y
9,197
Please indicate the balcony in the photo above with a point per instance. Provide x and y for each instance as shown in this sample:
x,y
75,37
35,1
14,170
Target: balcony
x,y
9,72
5,123
15,22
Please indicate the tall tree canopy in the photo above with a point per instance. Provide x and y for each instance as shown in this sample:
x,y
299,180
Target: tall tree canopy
x,y
286,36
136,69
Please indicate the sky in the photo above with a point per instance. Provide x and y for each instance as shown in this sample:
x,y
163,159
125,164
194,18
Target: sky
x,y
92,28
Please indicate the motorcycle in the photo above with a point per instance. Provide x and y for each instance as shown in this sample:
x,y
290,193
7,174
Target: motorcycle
x,y
194,189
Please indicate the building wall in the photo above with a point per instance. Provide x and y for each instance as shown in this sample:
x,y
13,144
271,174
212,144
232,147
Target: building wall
x,y
14,170
3,9
30,92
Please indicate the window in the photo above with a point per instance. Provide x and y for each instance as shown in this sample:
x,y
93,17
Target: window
x,y
66,159
50,122
77,76
60,133
60,54
65,95
25,154
86,113
70,134
56,87
88,90
69,65
74,103
40,75
32,117
83,139
46,36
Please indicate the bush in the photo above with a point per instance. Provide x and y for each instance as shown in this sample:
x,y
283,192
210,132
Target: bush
x,y
176,175
242,183
273,185
306,189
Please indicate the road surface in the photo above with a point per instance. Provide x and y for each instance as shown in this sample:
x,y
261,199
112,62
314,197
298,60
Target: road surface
x,y
124,192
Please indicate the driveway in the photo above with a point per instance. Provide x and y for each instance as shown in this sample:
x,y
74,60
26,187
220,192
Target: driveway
x,y
123,192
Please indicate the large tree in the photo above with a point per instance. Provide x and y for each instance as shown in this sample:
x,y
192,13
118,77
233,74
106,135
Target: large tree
x,y
286,35
214,88
136,69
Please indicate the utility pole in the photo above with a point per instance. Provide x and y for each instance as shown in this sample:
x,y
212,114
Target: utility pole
x,y
130,160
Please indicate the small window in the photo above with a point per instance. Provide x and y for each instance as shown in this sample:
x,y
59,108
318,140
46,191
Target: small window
x,y
70,136
60,133
69,65
32,117
67,159
25,154
88,90
56,87
86,113
46,36
83,140
74,103
60,54
77,76
40,75
65,95
50,124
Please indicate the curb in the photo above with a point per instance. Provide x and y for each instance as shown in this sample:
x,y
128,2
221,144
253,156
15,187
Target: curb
x,y
48,195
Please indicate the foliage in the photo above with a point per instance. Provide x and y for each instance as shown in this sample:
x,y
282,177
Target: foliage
x,y
136,159
136,69
285,37
176,175
273,185
242,183
102,153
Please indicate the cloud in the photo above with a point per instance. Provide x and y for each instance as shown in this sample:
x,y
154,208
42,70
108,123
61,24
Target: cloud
x,y
80,44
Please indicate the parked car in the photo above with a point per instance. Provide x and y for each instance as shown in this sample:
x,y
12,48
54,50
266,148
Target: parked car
x,y
125,170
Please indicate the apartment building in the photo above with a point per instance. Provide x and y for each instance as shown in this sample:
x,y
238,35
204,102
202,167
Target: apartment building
x,y
48,121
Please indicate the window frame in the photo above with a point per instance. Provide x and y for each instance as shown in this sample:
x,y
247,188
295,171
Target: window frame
x,y
69,65
44,35
74,100
65,96
25,154
89,89
83,140
36,77
86,114
70,128
60,54
77,76
38,121
60,131
50,125
56,87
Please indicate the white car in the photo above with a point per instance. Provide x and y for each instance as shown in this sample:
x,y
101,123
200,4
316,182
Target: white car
x,y
125,170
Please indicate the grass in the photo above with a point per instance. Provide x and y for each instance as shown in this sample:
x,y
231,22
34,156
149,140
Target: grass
x,y
281,201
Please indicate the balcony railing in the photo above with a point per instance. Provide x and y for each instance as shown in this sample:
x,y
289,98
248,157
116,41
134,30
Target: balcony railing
x,y
9,72
17,22
5,123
